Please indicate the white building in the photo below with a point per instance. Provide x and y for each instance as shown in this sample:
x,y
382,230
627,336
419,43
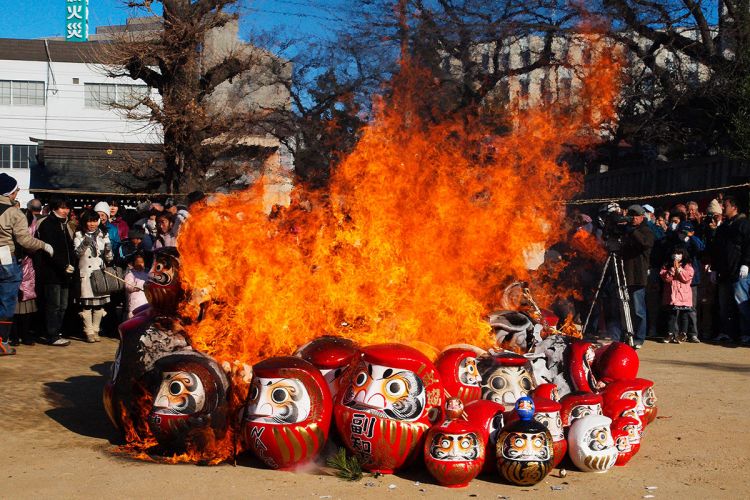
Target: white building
x,y
53,90
59,132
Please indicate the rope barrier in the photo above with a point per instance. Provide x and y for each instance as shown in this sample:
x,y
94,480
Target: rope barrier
x,y
591,201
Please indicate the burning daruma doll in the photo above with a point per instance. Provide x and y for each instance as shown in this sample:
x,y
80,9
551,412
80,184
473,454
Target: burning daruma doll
x,y
392,395
288,412
189,411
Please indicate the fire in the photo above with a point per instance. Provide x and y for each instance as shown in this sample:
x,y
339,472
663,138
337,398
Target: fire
x,y
420,227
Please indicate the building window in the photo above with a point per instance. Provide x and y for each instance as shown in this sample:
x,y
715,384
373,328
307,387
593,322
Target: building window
x,y
4,155
17,156
21,93
104,95
5,92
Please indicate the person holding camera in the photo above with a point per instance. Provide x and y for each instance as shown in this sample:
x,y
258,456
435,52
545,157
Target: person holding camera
x,y
636,246
56,272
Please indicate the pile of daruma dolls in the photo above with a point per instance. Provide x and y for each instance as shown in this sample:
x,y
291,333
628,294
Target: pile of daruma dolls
x,y
517,410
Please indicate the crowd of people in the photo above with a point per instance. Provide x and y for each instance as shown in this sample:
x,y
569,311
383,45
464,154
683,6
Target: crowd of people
x,y
686,272
50,252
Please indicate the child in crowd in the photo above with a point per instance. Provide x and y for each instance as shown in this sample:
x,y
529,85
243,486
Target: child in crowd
x,y
135,282
677,275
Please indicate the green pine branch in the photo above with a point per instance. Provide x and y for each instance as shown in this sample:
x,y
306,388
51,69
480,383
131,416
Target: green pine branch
x,y
346,468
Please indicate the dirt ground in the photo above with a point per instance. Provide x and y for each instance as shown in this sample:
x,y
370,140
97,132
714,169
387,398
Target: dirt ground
x,y
56,440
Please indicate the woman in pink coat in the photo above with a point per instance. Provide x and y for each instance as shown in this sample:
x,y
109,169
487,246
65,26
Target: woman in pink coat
x,y
677,275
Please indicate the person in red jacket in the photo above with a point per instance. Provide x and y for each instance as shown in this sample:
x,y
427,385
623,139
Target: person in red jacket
x,y
677,275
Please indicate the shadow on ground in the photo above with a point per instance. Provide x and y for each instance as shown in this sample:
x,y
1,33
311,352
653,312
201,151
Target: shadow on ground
x,y
78,404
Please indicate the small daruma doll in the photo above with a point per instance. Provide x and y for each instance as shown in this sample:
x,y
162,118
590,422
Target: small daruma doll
x,y
288,412
190,405
454,449
332,356
579,404
649,400
524,448
590,444
624,430
459,373
391,397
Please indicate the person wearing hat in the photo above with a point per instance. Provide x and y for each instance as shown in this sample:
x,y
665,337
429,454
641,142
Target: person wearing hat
x,y
103,209
636,252
14,230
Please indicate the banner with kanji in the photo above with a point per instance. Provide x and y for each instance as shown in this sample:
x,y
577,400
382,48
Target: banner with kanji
x,y
76,20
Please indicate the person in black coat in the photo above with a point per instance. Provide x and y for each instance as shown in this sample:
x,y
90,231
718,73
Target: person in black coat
x,y
636,254
56,273
730,261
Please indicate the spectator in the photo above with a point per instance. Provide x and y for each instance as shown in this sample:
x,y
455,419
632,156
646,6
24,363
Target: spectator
x,y
730,260
14,229
115,218
26,306
56,272
675,220
636,251
135,282
94,249
677,274
680,208
34,207
132,245
710,222
693,215
193,199
102,208
164,237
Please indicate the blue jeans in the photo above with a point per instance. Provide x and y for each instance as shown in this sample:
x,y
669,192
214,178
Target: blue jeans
x,y
742,298
10,282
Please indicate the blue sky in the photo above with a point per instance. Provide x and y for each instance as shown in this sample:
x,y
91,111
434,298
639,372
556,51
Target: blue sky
x,y
42,18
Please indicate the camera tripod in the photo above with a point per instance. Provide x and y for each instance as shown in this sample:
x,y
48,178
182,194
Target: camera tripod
x,y
614,263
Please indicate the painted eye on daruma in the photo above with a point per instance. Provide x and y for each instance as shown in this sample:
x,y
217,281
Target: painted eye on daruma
x,y
176,388
497,383
526,384
395,388
279,396
360,379
445,443
465,443
518,442
254,393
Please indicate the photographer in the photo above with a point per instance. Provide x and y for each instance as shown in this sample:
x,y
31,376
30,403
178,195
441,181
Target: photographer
x,y
637,242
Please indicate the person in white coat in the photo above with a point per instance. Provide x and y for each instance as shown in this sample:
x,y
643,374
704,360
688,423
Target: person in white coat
x,y
94,250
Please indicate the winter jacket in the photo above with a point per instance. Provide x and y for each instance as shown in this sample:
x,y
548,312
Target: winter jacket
x,y
14,228
114,237
56,232
122,227
730,248
636,251
135,282
94,250
677,290
28,280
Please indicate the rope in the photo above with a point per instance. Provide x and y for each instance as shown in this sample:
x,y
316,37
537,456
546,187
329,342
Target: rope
x,y
120,279
653,196
100,193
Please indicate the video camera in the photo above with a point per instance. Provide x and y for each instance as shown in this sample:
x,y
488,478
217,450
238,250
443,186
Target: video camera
x,y
613,225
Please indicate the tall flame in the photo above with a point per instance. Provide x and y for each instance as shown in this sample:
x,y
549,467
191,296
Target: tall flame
x,y
422,224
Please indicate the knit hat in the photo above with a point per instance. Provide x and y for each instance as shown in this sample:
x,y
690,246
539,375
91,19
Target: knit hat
x,y
102,206
714,207
648,208
8,185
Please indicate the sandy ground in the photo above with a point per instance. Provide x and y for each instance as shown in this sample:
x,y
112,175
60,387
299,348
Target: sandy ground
x,y
56,440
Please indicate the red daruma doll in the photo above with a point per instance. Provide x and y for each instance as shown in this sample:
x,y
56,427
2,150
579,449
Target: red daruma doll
x,y
288,412
454,449
458,371
390,398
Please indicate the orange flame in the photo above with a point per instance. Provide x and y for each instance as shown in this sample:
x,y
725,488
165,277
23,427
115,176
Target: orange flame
x,y
421,226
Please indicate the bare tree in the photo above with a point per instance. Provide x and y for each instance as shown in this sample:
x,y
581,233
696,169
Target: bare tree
x,y
206,81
